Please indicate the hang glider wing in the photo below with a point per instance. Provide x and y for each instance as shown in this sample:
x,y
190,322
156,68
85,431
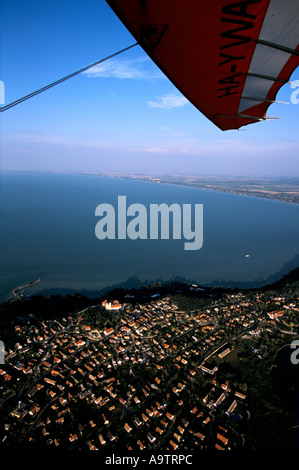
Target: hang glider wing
x,y
229,59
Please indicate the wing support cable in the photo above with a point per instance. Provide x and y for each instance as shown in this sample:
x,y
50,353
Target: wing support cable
x,y
263,100
267,77
67,77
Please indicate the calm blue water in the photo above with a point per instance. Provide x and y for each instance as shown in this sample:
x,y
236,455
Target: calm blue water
x,y
48,232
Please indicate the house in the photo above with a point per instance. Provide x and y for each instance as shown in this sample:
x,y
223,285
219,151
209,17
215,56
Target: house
x,y
108,331
50,381
224,440
141,446
102,440
91,446
218,447
151,438
34,410
173,445
98,400
137,422
127,428
169,416
275,315
111,437
207,420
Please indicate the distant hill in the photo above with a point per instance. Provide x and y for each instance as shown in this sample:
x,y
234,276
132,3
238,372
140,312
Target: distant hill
x,y
288,281
287,268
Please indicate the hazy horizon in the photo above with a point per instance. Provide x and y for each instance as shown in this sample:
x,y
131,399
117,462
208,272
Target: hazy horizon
x,y
115,173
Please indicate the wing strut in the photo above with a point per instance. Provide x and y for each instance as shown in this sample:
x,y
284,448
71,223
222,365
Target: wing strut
x,y
278,46
67,77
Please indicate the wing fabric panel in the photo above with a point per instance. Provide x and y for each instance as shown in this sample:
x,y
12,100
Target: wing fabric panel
x,y
217,53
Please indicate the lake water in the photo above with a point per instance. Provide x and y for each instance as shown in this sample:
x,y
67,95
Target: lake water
x,y
48,232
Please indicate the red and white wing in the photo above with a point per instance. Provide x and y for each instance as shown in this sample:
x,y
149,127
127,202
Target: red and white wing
x,y
228,58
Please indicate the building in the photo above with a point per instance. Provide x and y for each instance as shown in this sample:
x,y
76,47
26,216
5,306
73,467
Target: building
x,y
209,371
115,305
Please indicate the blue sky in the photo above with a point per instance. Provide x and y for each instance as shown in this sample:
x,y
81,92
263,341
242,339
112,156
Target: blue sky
x,y
124,115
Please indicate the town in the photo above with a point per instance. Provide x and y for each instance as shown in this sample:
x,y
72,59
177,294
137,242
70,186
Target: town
x,y
174,372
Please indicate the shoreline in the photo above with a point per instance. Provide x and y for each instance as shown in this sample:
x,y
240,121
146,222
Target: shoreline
x,y
202,183
207,183
265,284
